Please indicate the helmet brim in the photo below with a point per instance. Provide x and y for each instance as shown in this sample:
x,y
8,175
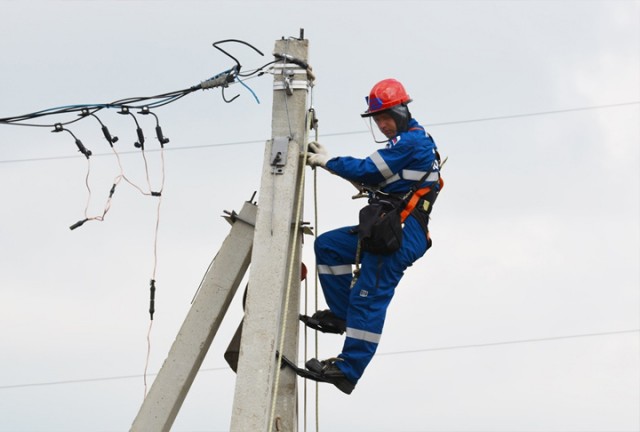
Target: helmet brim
x,y
384,110
373,113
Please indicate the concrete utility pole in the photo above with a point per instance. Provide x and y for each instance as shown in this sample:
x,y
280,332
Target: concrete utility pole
x,y
282,176
270,237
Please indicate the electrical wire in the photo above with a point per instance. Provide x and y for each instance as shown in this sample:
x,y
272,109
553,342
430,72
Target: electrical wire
x,y
390,353
539,113
355,132
159,195
223,79
134,103
145,374
511,342
248,88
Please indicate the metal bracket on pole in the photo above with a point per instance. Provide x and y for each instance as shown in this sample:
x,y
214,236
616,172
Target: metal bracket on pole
x,y
288,72
279,151
288,85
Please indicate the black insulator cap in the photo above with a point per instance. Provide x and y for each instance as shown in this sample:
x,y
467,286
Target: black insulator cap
x,y
163,140
108,137
140,143
78,224
152,298
83,149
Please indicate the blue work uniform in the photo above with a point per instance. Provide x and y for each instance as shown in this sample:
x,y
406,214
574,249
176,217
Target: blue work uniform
x,y
394,169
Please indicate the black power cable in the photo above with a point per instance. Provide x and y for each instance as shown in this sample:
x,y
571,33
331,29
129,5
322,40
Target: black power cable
x,y
221,80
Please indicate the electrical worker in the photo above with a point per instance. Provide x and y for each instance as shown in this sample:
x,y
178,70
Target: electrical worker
x,y
410,156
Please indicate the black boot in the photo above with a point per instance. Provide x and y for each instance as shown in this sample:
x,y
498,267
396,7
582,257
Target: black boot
x,y
325,321
327,371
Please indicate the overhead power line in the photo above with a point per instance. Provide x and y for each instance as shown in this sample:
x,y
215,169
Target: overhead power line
x,y
358,132
541,113
52,158
513,342
416,351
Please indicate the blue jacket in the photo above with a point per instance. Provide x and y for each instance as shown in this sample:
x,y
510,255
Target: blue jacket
x,y
395,168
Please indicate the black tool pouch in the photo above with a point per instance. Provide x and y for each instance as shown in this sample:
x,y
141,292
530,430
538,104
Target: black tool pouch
x,y
380,228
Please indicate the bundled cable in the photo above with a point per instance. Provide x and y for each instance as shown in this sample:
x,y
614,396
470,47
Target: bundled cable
x,y
221,80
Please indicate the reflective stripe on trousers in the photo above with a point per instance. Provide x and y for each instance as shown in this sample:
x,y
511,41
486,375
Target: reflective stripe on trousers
x,y
365,305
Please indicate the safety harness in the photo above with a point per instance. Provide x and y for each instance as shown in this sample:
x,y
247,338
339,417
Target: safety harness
x,y
427,194
416,199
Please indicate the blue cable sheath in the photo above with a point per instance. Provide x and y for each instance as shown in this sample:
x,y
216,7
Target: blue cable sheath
x,y
248,88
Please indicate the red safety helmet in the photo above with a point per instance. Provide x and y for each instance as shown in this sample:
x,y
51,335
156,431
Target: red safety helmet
x,y
386,94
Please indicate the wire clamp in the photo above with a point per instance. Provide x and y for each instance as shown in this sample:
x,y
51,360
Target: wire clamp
x,y
221,80
289,85
81,148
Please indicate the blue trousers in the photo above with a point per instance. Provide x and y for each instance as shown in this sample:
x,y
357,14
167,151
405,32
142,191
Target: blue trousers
x,y
364,306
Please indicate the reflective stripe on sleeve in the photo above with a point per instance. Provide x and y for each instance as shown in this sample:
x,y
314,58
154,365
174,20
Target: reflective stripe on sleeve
x,y
390,180
363,335
382,166
334,270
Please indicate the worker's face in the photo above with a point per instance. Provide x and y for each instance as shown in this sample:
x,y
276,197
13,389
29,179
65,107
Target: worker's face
x,y
386,124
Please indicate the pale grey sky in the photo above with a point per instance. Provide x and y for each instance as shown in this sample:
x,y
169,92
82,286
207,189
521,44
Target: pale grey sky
x,y
536,236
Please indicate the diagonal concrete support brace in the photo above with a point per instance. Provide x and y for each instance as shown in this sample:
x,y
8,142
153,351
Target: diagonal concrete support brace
x,y
215,293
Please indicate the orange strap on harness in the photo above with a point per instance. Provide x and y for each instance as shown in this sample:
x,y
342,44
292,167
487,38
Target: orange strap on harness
x,y
415,197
